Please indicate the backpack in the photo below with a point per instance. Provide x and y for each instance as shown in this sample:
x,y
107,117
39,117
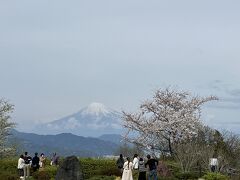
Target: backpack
x,y
120,163
27,159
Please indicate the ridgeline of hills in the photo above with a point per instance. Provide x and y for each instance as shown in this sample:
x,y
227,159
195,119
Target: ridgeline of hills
x,y
66,144
93,131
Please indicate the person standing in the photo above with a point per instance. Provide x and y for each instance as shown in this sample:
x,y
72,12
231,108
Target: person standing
x,y
120,162
42,161
135,165
27,166
35,162
127,170
152,165
135,162
142,170
21,164
213,163
54,160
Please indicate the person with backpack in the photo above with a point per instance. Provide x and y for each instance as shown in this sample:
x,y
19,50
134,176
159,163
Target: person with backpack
x,y
120,162
135,165
28,161
35,162
152,165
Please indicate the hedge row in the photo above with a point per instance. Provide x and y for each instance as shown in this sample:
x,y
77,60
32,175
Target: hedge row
x,y
91,168
95,169
98,167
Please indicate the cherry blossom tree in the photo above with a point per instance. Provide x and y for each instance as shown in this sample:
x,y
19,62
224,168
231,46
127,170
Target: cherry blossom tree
x,y
5,125
170,116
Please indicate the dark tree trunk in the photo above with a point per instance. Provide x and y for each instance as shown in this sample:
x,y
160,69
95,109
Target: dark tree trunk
x,y
170,147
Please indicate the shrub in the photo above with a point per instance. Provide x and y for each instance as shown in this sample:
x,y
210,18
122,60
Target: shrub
x,y
186,175
173,166
99,167
8,176
47,173
102,178
51,170
167,178
41,175
9,165
215,176
8,169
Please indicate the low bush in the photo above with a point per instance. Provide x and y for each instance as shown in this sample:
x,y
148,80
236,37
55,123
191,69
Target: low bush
x,y
8,169
167,178
215,176
41,175
51,170
47,173
8,176
9,165
186,175
93,169
99,167
102,178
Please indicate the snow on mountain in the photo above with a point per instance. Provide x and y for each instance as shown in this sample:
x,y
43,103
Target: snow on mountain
x,y
93,120
96,109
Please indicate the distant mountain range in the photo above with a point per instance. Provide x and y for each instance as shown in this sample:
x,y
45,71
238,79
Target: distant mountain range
x,y
93,121
93,131
66,144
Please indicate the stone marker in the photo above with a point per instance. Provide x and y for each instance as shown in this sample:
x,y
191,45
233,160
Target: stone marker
x,y
70,169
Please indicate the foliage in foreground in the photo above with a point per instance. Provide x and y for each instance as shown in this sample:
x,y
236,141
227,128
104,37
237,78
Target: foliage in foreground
x,y
8,169
92,168
97,169
103,178
103,167
215,176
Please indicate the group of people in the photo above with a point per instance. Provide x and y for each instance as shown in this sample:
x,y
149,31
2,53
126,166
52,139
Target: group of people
x,y
26,163
138,165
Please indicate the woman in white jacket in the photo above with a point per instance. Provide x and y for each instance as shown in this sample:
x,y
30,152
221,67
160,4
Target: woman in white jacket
x,y
127,170
21,164
135,162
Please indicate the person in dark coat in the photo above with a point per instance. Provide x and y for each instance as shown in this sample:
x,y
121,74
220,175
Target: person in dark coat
x,y
152,165
35,162
120,162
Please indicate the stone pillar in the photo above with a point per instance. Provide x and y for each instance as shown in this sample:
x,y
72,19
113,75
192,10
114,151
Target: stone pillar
x,y
70,169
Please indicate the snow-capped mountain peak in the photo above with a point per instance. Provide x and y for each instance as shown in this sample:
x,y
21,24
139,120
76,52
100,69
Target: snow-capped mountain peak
x,y
96,109
93,120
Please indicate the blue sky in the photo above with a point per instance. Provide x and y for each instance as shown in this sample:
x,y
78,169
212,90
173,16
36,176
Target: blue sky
x,y
59,56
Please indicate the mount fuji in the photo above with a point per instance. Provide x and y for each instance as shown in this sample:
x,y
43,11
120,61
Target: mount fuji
x,y
93,120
